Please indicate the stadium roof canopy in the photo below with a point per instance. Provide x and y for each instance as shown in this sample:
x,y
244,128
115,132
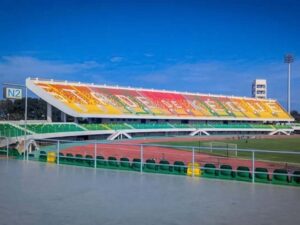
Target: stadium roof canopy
x,y
101,101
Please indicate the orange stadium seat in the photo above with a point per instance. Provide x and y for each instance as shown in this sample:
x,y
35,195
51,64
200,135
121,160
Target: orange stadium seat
x,y
98,101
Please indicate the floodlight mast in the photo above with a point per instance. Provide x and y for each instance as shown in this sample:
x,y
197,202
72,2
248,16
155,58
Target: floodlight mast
x,y
289,59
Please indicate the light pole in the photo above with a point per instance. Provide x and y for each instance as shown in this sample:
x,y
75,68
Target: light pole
x,y
289,59
25,114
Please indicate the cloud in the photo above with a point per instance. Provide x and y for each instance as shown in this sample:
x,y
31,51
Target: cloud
x,y
116,59
189,73
216,77
17,68
228,78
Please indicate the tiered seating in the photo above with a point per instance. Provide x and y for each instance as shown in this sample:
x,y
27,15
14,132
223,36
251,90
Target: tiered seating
x,y
53,127
150,125
240,126
102,100
261,126
95,126
117,126
282,126
201,125
232,126
180,125
219,125
8,130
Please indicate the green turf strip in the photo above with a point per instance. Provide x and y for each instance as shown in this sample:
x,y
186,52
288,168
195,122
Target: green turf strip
x,y
279,144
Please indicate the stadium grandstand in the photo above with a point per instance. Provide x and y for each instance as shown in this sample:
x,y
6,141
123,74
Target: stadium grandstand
x,y
93,116
119,112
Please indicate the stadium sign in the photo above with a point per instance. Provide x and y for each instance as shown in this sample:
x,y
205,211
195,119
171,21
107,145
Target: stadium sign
x,y
12,93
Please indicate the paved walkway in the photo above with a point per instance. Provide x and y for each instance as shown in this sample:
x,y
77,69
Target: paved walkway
x,y
33,193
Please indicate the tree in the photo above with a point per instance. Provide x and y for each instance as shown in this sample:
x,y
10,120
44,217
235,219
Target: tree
x,y
14,109
296,115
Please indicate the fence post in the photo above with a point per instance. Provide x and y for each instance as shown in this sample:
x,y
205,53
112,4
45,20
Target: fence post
x,y
142,153
227,151
7,148
193,162
95,155
57,151
253,166
24,150
27,149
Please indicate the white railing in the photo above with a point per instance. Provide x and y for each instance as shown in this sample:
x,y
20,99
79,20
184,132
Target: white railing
x,y
230,163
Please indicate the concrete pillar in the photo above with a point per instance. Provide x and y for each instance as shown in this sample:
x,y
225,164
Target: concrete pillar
x,y
49,113
75,119
63,117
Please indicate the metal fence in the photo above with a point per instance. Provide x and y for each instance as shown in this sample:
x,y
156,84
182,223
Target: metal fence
x,y
4,146
253,165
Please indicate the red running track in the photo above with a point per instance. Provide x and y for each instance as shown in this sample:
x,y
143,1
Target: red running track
x,y
131,149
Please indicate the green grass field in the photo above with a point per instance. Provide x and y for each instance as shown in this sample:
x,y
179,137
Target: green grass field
x,y
279,144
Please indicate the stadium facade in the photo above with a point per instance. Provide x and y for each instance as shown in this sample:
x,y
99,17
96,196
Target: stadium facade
x,y
108,112
100,101
136,110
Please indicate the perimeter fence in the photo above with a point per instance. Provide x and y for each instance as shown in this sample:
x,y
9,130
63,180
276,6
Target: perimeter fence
x,y
231,163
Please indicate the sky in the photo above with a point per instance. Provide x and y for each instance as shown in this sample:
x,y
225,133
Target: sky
x,y
216,47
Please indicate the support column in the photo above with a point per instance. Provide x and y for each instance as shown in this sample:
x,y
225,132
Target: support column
x,y
63,117
49,113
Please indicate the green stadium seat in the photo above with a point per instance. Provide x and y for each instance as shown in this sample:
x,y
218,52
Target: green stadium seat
x,y
243,173
13,152
180,125
150,165
2,151
262,175
79,160
164,166
62,158
209,170
117,126
296,178
95,126
280,176
112,162
9,130
101,162
179,167
136,164
43,156
53,127
70,158
124,163
226,172
89,161
150,125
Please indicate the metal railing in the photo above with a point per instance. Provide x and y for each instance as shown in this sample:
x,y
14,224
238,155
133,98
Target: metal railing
x,y
4,149
163,158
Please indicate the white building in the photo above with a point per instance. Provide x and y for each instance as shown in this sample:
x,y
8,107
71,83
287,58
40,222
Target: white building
x,y
259,88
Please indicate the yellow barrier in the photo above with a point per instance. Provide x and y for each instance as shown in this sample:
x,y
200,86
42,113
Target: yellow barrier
x,y
51,157
195,168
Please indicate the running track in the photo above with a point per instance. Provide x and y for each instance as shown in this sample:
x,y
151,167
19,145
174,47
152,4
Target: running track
x,y
131,149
